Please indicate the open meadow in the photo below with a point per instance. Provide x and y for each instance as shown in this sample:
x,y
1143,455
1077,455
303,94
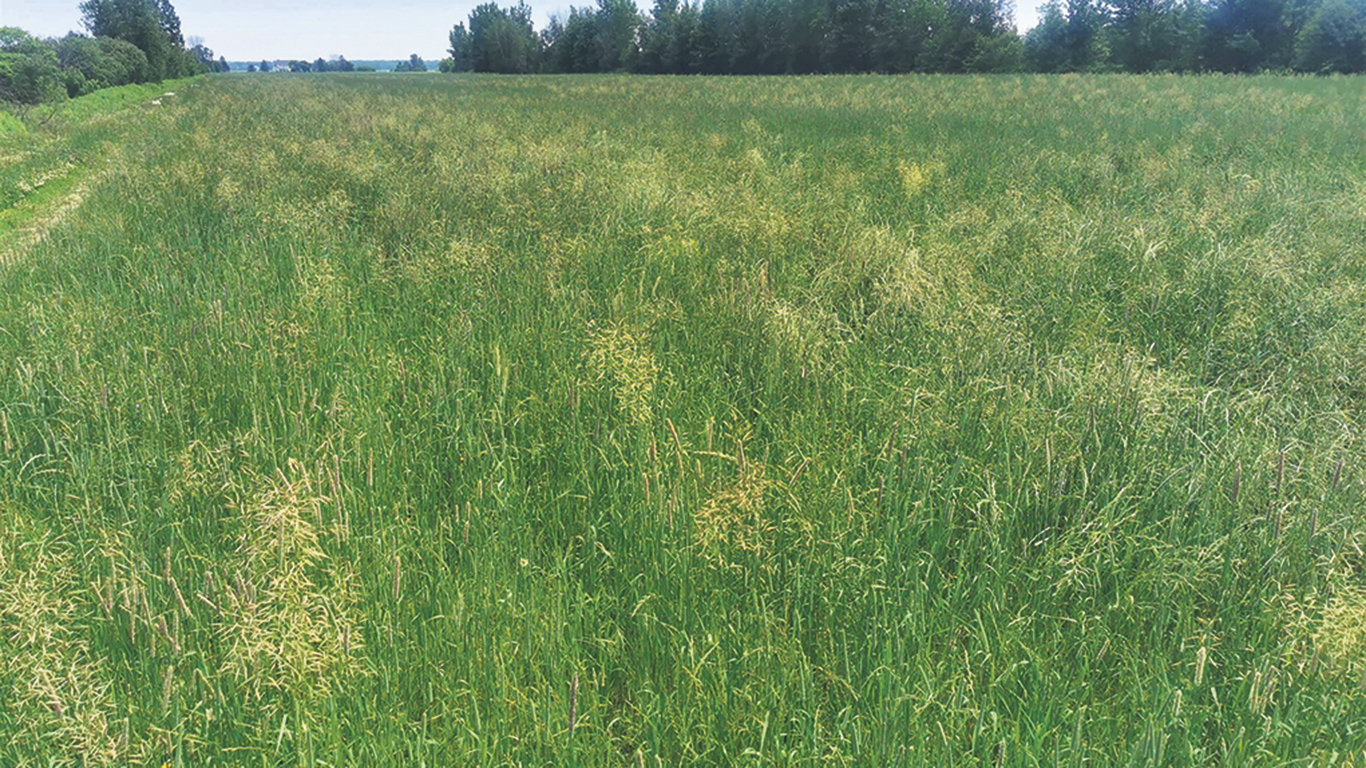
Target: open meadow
x,y
880,421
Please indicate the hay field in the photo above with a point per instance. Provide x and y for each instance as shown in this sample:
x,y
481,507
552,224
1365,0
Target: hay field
x,y
359,421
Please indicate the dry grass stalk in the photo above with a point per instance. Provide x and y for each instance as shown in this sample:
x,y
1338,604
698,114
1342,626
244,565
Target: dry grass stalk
x,y
678,444
180,598
574,702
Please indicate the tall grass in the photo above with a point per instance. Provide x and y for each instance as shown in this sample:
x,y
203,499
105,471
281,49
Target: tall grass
x,y
585,421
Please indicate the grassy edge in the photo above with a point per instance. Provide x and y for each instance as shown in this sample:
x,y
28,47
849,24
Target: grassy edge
x,y
11,126
70,115
110,100
12,218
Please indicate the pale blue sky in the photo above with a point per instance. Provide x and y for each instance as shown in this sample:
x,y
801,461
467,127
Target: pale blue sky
x,y
246,30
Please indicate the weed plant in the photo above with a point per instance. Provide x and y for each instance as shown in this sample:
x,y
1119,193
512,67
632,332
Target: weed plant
x,y
627,421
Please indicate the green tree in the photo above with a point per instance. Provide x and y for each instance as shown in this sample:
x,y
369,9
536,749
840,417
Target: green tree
x,y
775,47
1186,53
804,34
1334,39
571,44
1046,44
170,22
12,37
151,25
413,64
686,34
1087,40
459,50
968,36
901,31
617,25
659,39
1073,39
1251,35
849,27
1142,33
204,59
711,45
997,53
503,40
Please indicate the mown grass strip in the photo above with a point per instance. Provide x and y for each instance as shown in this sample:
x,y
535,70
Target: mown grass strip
x,y
58,165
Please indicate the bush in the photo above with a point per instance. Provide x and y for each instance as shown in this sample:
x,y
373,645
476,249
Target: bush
x,y
31,78
104,61
75,83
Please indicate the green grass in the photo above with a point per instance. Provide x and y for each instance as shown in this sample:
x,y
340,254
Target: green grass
x,y
46,156
95,107
10,125
782,421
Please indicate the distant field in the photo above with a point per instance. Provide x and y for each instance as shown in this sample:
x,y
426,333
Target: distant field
x,y
353,421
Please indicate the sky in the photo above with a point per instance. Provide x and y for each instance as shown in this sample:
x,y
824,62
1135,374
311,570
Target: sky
x,y
250,30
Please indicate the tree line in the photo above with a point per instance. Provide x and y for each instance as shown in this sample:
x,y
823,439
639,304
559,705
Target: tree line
x,y
130,41
895,36
338,64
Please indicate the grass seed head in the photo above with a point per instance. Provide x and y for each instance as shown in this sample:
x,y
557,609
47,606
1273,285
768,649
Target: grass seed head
x,y
622,358
1341,631
293,630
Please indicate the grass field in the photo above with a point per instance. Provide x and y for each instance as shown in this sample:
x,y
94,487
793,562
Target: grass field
x,y
626,421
